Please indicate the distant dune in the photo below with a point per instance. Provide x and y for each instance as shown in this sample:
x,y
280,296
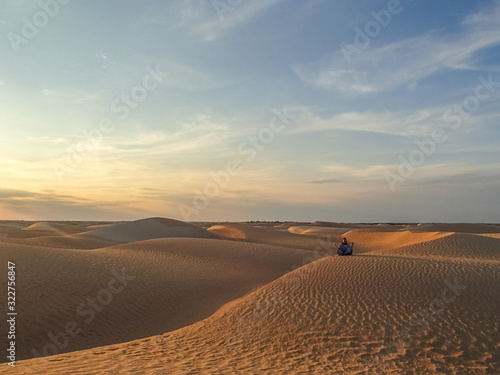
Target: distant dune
x,y
55,227
64,241
147,229
318,231
264,234
463,228
250,299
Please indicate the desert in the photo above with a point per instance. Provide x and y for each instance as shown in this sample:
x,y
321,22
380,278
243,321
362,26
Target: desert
x,y
161,296
258,187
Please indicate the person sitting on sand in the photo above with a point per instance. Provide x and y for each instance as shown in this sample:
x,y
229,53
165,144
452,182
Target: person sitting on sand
x,y
344,248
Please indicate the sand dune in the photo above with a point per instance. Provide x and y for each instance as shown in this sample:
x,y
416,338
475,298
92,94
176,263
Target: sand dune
x,y
174,283
264,234
408,301
55,235
373,239
55,227
14,224
6,230
288,225
229,231
368,241
352,226
340,225
21,233
462,228
99,226
492,235
64,242
318,231
455,247
146,229
372,313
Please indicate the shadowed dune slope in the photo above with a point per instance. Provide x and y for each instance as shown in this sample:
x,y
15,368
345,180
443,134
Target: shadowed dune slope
x,y
22,234
173,283
265,234
8,230
64,242
146,229
369,313
14,224
56,228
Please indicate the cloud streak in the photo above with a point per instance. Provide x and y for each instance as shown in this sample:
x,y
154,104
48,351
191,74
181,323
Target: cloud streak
x,y
407,61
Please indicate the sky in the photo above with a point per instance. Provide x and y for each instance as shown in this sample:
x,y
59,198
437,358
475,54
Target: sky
x,y
232,110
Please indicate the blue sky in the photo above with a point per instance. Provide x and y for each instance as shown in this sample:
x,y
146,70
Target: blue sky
x,y
338,91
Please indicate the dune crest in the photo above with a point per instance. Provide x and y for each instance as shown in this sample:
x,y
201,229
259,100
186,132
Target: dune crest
x,y
228,231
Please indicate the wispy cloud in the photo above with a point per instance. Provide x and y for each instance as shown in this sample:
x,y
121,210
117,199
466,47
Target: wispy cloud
x,y
393,123
52,206
325,181
349,173
70,96
410,123
240,15
407,61
187,77
210,20
14,193
47,139
202,135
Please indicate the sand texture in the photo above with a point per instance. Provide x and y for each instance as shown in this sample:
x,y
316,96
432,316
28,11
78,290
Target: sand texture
x,y
248,299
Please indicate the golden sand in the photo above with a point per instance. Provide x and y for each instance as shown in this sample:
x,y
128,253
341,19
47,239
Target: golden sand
x,y
159,296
